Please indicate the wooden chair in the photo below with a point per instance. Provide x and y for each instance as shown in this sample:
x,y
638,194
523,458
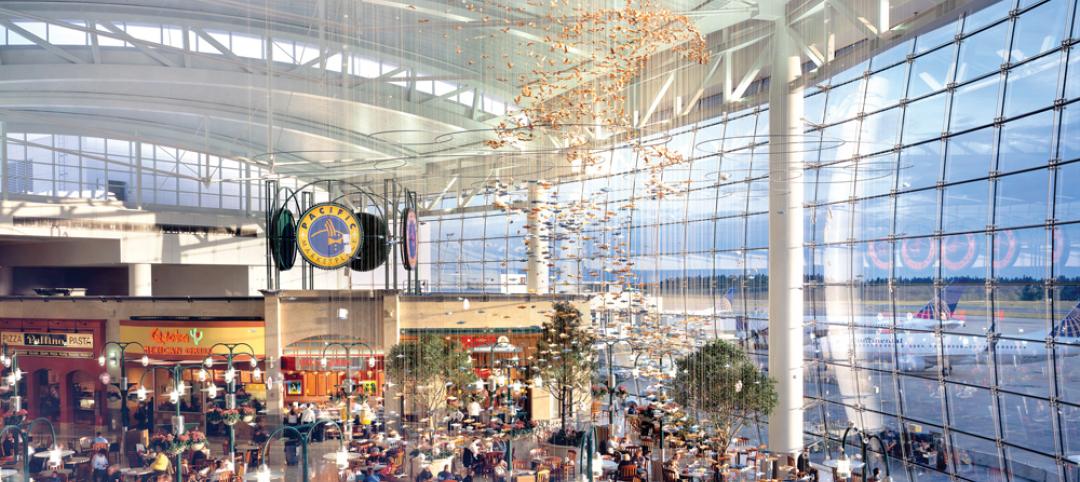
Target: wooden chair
x,y
543,475
521,465
628,472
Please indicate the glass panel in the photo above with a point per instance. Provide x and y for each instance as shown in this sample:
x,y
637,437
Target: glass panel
x,y
970,155
975,104
1032,86
1040,29
965,207
1025,142
924,119
983,53
931,72
1022,198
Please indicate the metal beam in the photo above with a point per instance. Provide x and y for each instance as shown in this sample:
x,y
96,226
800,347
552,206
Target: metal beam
x,y
221,48
845,11
161,59
452,93
747,79
656,100
57,51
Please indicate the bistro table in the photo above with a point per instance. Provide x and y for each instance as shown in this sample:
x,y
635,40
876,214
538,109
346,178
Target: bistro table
x,y
135,473
45,453
274,475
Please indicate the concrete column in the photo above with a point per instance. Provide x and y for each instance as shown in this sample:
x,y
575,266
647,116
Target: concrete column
x,y
7,280
537,273
786,144
273,343
140,280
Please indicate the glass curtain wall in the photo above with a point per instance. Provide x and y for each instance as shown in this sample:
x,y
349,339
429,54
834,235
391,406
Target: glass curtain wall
x,y
942,244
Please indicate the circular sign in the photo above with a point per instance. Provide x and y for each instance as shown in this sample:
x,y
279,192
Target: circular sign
x,y
328,235
410,247
283,239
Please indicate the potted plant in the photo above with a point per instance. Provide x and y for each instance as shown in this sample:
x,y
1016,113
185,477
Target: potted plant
x,y
213,415
427,369
197,440
738,391
565,360
178,444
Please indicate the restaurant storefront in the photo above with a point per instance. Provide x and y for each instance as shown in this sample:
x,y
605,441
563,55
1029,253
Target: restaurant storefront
x,y
189,341
60,373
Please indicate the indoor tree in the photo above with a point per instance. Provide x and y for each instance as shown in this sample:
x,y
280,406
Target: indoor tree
x,y
723,385
427,370
565,359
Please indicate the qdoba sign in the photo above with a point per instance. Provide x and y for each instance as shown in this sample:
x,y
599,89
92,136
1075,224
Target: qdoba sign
x,y
167,339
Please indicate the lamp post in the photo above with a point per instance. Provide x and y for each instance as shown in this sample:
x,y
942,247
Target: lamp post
x,y
502,341
348,387
176,371
263,474
122,384
230,380
9,358
843,464
24,438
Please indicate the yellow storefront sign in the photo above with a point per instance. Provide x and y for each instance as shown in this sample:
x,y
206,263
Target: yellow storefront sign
x,y
189,340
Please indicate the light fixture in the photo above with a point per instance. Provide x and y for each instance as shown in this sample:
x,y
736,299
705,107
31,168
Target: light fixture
x,y
269,383
209,361
6,360
254,363
140,393
371,362
101,360
211,391
263,474
11,379
174,397
203,375
256,372
230,375
145,360
323,362
843,466
54,457
181,387
342,458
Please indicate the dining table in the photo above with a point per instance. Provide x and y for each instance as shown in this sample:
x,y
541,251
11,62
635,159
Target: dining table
x,y
8,474
135,473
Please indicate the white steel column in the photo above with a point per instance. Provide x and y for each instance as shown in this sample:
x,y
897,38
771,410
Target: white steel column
x,y
786,145
537,268
140,280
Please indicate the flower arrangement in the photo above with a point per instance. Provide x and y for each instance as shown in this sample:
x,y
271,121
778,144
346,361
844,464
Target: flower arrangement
x,y
230,416
621,392
599,390
15,418
171,444
213,415
196,440
247,414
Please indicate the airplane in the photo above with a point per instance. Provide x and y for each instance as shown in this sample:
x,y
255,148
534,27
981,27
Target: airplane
x,y
919,352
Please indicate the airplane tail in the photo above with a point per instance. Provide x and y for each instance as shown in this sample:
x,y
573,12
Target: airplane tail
x,y
941,308
728,303
1069,327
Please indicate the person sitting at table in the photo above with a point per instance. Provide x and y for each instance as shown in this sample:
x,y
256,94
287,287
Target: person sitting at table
x,y
100,465
98,439
468,455
7,448
160,466
424,475
113,474
371,476
501,472
468,475
54,476
445,473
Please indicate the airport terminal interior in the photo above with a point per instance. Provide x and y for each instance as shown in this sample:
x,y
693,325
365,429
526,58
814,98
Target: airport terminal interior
x,y
539,240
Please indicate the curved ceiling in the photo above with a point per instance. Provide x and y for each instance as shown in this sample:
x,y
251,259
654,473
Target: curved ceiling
x,y
318,88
